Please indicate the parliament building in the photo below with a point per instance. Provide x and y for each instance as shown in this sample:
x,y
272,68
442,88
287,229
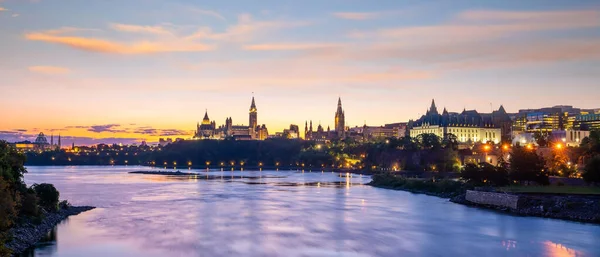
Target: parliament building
x,y
209,130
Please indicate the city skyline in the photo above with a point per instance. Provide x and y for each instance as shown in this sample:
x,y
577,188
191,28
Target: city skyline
x,y
152,75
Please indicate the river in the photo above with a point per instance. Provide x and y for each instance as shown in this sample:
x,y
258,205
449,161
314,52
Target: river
x,y
284,213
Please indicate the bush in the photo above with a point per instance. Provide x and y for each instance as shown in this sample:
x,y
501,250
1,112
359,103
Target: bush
x,y
29,204
527,166
592,170
48,196
64,204
485,174
7,206
444,186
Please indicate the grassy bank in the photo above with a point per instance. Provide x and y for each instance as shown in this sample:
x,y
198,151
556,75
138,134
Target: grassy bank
x,y
573,190
441,188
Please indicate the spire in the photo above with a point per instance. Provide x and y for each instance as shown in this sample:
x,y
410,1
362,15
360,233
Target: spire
x,y
339,111
253,105
433,109
59,140
206,120
445,112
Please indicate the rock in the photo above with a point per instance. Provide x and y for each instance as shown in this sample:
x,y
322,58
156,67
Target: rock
x,y
29,232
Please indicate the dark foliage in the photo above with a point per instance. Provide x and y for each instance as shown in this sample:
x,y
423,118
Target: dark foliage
x,y
29,204
446,188
592,170
527,166
47,195
485,174
15,198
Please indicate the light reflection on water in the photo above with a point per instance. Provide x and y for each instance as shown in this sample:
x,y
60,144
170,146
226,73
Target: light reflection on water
x,y
284,213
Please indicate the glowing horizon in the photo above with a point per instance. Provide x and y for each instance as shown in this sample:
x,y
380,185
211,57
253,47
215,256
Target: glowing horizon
x,y
142,70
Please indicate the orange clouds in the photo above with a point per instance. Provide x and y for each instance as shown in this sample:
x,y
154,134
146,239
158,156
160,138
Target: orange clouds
x,y
49,70
160,45
165,39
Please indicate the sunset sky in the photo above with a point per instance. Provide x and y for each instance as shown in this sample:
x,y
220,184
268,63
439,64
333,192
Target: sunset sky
x,y
122,71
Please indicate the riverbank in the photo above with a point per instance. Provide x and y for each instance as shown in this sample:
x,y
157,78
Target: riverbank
x,y
581,208
28,232
573,207
441,188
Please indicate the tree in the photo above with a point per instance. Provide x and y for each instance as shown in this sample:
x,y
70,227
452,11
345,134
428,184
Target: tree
x,y
560,165
527,166
7,206
429,141
592,170
12,165
450,141
591,144
47,195
485,174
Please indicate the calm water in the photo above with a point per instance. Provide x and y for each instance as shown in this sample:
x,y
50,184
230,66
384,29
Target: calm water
x,y
284,213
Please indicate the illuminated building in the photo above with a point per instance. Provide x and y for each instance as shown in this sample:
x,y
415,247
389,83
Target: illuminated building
x,y
556,118
590,121
323,135
561,122
468,126
292,133
253,119
208,130
340,120
40,144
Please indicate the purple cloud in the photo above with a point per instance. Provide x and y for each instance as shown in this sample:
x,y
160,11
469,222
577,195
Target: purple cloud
x,y
160,132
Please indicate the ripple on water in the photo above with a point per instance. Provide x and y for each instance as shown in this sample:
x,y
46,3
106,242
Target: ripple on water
x,y
284,213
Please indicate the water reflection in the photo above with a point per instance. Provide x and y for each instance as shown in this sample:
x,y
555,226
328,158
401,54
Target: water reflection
x,y
285,213
46,246
559,250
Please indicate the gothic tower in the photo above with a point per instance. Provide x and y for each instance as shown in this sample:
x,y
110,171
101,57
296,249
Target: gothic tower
x,y
306,130
253,119
340,120
433,108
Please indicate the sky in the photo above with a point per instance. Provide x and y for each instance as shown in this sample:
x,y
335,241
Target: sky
x,y
132,70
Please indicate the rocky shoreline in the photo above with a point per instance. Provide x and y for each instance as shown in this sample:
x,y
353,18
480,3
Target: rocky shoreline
x,y
581,208
28,232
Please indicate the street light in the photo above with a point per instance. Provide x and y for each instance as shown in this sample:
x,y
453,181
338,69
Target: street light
x,y
559,146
